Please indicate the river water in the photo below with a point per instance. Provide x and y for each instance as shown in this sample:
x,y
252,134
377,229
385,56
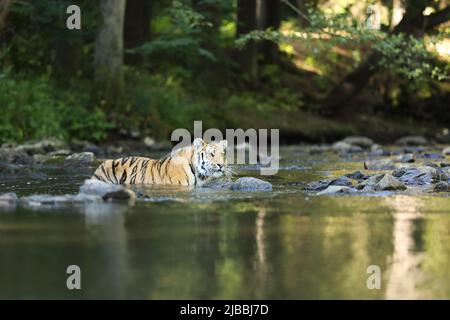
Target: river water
x,y
180,243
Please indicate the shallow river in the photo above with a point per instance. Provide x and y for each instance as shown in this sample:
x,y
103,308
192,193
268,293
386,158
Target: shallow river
x,y
216,244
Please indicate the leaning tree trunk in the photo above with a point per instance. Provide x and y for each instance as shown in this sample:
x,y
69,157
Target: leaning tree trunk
x,y
136,28
413,23
109,50
246,22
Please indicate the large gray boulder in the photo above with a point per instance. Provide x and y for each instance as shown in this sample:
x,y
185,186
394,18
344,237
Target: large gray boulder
x,y
7,199
107,191
251,184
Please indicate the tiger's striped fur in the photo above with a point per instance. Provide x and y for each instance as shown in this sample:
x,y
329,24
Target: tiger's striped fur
x,y
195,165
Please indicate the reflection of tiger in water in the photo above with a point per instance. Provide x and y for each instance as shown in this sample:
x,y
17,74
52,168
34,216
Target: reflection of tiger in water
x,y
196,165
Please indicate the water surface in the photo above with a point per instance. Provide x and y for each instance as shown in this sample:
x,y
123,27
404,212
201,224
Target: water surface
x,y
179,243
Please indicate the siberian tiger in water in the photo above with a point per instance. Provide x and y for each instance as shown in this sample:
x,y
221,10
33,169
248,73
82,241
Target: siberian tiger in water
x,y
195,165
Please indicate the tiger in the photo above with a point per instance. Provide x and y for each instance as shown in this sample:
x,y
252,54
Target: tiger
x,y
195,165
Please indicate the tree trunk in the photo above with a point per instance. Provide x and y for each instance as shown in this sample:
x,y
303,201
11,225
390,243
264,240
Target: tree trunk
x,y
246,22
136,27
67,54
109,50
269,17
4,10
413,23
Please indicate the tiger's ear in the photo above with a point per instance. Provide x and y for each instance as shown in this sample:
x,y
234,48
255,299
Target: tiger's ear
x,y
198,143
223,144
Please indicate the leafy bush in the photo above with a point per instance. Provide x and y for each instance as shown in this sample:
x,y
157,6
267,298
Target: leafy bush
x,y
31,108
159,103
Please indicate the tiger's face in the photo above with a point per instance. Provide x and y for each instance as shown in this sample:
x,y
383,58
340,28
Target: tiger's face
x,y
209,158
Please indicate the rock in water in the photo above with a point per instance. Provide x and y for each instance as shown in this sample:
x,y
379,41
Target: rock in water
x,y
362,142
323,184
8,198
417,176
357,175
382,164
80,159
377,151
370,183
50,200
388,182
106,191
344,147
251,184
41,147
406,158
412,141
432,156
335,190
441,186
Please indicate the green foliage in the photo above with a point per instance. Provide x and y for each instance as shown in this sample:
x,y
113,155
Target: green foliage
x,y
402,54
181,35
32,108
157,104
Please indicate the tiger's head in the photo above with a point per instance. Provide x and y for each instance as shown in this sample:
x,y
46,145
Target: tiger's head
x,y
209,159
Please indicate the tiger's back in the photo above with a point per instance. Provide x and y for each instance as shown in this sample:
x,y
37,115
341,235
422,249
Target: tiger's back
x,y
141,170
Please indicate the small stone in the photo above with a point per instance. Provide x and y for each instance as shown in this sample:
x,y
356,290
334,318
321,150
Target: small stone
x,y
135,134
406,158
412,141
61,152
388,182
149,142
357,175
82,158
323,184
446,151
432,156
377,151
331,190
382,164
410,149
251,184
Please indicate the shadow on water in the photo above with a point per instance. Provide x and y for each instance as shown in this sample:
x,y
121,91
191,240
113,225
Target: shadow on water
x,y
221,244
